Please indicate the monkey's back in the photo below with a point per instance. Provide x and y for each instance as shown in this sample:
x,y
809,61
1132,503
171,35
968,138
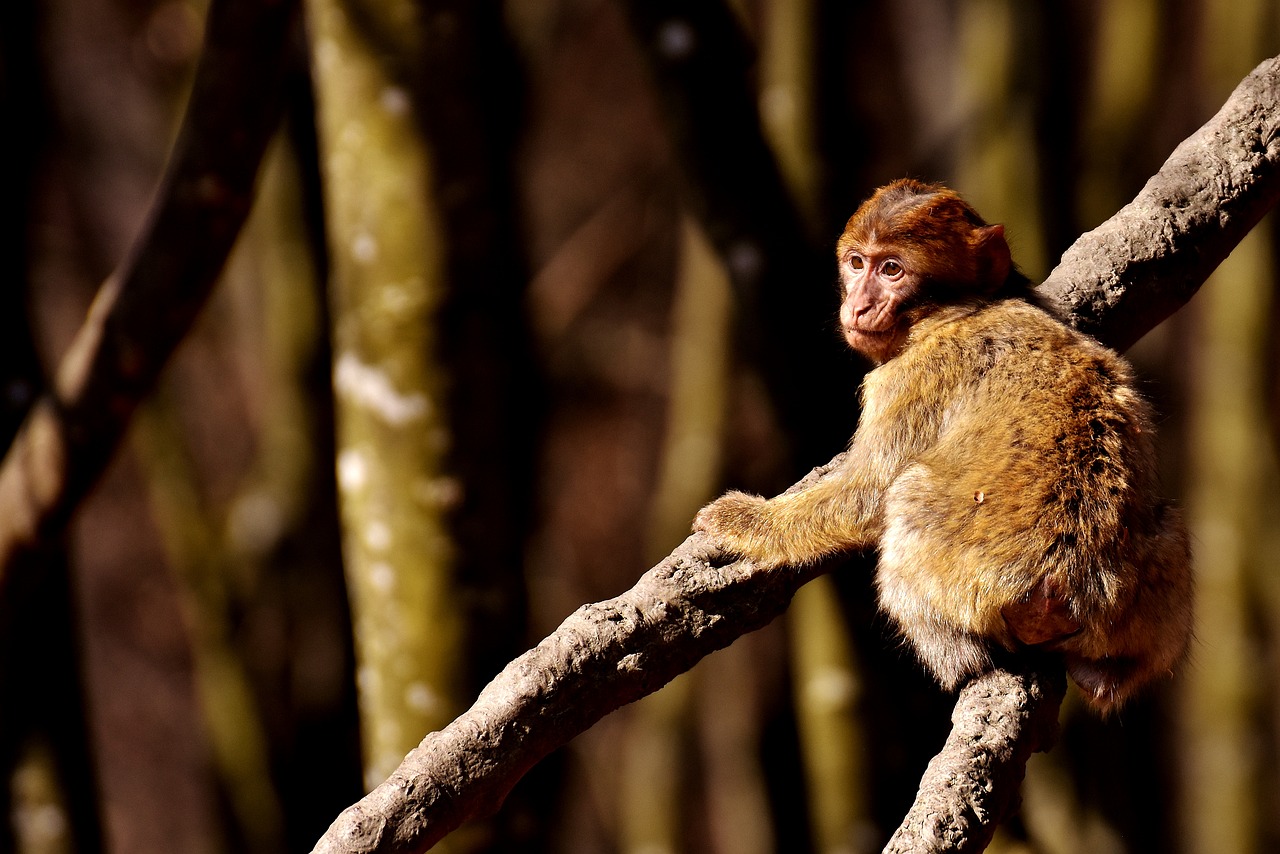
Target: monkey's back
x,y
1041,478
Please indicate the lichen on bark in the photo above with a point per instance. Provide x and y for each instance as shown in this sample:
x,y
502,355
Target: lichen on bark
x,y
386,284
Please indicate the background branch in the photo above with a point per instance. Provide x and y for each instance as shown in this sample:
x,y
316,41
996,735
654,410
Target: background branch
x,y
1117,282
146,307
703,68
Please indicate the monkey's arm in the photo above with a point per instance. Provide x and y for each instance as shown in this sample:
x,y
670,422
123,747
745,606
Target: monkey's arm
x,y
840,511
795,528
902,411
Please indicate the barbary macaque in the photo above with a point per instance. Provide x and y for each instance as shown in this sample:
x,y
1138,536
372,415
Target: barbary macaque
x,y
1003,465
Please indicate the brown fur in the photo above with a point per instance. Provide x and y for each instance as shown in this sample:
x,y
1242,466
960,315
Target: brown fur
x,y
1003,465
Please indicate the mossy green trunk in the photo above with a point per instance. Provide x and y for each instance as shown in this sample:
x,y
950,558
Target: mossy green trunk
x,y
386,283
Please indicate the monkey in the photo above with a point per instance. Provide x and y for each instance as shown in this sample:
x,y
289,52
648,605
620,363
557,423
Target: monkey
x,y
1003,466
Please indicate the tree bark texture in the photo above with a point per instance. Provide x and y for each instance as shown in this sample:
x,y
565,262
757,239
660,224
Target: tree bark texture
x,y
1000,719
1120,280
602,657
1117,282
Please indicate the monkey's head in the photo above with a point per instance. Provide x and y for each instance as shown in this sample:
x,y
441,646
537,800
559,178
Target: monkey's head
x,y
909,249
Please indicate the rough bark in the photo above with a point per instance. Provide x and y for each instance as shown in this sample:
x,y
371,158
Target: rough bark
x,y
1117,282
1120,280
1000,719
602,657
145,308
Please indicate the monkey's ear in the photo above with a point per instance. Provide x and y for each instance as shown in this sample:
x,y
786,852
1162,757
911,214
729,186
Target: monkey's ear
x,y
994,259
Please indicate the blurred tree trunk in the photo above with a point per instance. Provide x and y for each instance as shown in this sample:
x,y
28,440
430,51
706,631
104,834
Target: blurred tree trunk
x,y
118,78
703,67
788,87
386,282
199,558
1232,471
873,118
995,153
435,392
48,780
1124,80
281,525
827,692
471,91
225,553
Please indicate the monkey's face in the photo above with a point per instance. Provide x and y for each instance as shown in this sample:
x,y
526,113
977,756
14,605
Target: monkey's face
x,y
878,287
907,250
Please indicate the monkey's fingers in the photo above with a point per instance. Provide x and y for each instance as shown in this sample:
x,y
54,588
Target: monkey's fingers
x,y
733,511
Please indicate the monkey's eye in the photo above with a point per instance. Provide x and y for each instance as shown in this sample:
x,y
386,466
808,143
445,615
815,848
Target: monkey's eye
x,y
891,269
857,262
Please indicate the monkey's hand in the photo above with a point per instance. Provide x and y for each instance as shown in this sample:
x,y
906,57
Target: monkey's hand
x,y
735,522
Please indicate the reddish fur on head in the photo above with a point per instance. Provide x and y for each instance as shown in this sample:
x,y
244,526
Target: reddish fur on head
x,y
945,250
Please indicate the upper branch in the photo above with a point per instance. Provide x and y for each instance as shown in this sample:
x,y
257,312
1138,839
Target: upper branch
x,y
1122,279
146,307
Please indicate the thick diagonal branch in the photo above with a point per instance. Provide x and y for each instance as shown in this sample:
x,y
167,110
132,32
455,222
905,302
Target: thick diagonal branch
x,y
602,657
146,307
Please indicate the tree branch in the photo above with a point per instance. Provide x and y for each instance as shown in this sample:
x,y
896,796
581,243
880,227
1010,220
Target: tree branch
x,y
1000,719
146,307
1118,282
1122,279
602,657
